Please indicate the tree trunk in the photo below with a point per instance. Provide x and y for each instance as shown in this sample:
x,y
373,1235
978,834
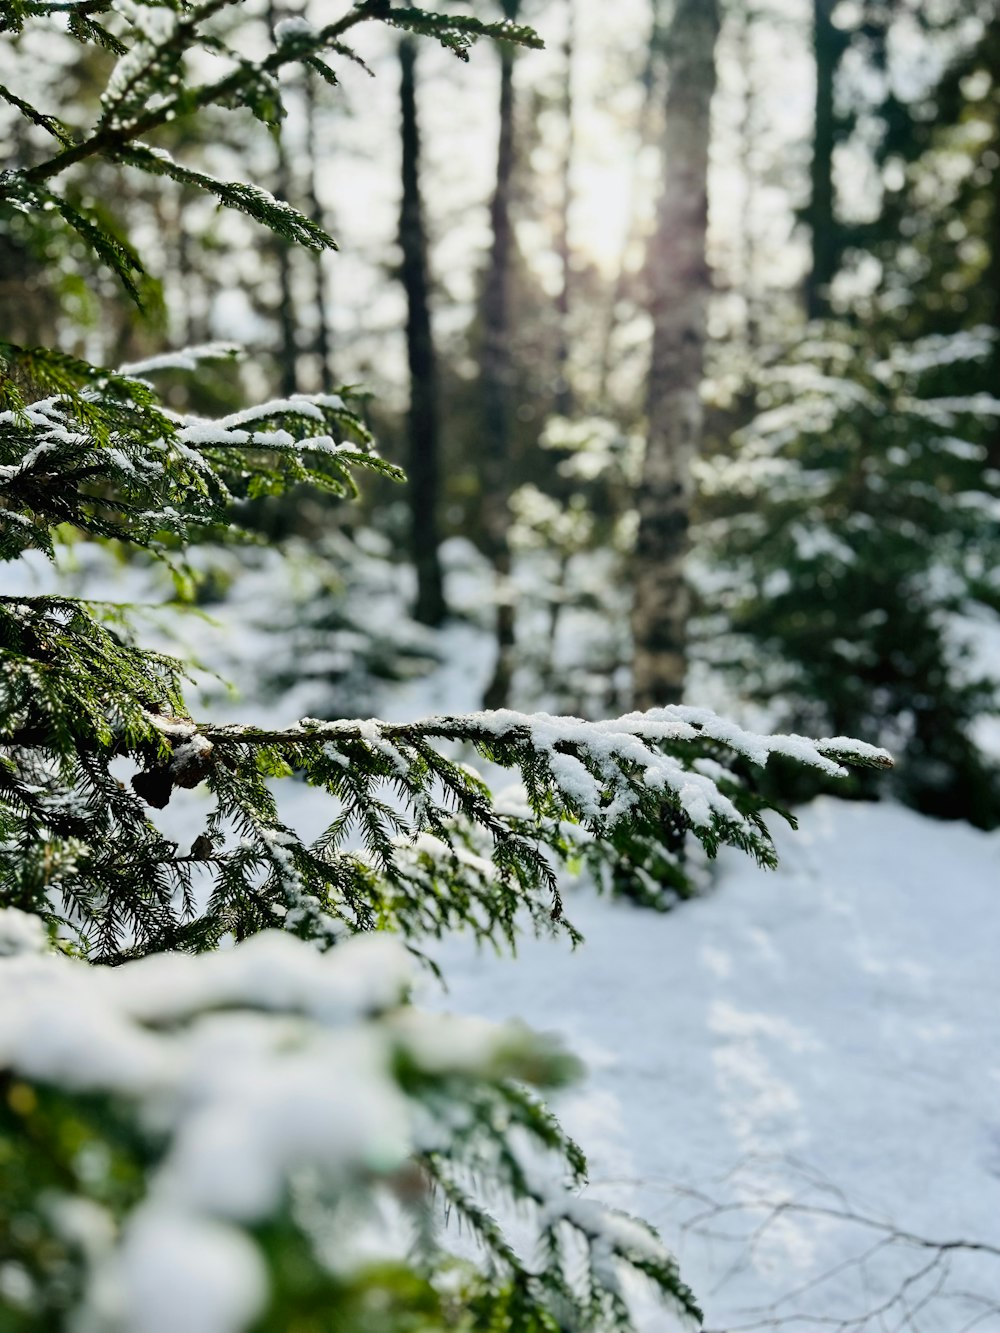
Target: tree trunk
x,y
828,46
564,392
288,352
749,134
680,285
423,431
495,382
321,346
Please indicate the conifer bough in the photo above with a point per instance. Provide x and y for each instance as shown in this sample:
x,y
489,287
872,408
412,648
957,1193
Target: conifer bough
x,y
95,734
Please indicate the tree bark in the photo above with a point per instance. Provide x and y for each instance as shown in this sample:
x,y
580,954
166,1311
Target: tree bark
x,y
496,372
288,352
828,47
680,285
423,431
322,343
563,389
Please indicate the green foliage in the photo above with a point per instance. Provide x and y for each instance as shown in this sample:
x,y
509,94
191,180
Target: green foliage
x,y
856,523
103,1153
101,453
934,235
328,646
574,533
458,33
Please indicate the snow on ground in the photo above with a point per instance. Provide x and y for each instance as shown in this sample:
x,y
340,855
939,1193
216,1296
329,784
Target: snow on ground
x,y
826,1033
824,1038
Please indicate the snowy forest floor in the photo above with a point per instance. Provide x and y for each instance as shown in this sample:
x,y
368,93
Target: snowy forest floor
x,y
796,1077
794,1047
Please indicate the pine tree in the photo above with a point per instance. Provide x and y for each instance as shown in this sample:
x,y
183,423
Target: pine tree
x,y
856,524
857,509
187,1129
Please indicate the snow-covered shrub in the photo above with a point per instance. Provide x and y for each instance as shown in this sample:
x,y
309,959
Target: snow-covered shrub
x,y
855,531
212,1144
572,540
346,629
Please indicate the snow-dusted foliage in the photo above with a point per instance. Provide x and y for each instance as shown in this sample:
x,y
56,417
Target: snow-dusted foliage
x,y
571,541
855,524
174,1129
345,628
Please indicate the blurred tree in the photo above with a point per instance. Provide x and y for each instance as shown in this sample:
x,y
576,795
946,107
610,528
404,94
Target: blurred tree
x,y
679,281
285,254
423,428
323,337
829,45
563,403
496,376
855,558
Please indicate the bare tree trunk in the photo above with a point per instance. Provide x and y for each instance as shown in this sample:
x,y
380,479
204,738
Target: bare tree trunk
x,y
495,381
680,284
828,46
564,390
423,416
322,345
288,353
749,132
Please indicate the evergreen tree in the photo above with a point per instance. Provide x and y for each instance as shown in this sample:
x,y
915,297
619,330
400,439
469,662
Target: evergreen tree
x,y
856,522
181,1136
857,508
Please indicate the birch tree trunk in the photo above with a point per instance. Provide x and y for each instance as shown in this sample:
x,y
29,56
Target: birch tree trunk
x,y
679,290
496,373
422,463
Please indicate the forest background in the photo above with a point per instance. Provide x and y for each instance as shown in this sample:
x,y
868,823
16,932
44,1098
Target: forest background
x,y
814,452
856,191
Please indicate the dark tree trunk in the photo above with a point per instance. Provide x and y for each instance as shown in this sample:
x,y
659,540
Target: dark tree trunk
x,y
288,351
991,45
564,391
495,381
422,466
828,47
680,286
322,348
749,133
